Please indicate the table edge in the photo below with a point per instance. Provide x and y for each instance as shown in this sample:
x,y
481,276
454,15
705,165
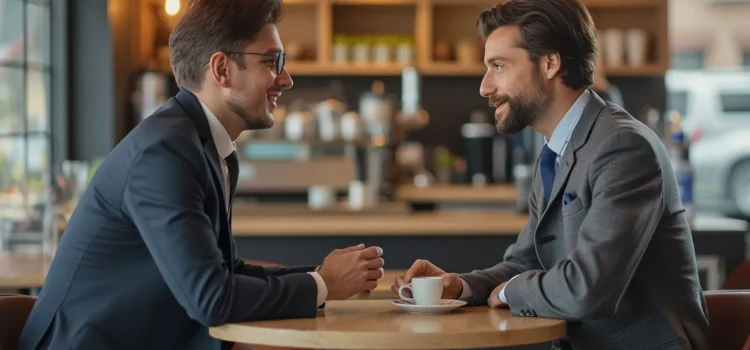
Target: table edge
x,y
317,339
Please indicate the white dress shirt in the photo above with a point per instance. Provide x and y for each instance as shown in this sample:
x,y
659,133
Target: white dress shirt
x,y
557,143
225,146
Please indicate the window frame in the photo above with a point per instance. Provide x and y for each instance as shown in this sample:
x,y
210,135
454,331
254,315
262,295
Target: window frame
x,y
27,69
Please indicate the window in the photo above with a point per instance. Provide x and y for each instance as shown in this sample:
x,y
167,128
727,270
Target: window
x,y
24,100
688,60
735,102
677,101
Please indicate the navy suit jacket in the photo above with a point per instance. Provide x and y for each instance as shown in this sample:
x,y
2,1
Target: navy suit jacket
x,y
148,259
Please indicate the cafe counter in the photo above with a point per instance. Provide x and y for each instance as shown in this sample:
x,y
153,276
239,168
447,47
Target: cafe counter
x,y
457,241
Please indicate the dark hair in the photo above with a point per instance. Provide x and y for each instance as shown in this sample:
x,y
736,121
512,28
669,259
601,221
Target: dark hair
x,y
562,26
210,26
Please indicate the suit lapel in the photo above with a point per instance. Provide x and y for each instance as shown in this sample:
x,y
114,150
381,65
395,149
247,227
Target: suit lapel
x,y
195,111
577,140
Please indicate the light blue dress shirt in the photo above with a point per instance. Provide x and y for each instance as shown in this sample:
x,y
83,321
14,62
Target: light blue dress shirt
x,y
560,139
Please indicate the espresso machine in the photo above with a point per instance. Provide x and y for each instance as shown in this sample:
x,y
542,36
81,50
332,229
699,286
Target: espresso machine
x,y
386,127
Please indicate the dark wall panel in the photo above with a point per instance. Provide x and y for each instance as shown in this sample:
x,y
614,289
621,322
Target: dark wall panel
x,y
92,82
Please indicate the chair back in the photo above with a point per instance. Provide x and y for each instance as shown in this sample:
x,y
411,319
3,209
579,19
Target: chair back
x,y
739,278
729,318
14,310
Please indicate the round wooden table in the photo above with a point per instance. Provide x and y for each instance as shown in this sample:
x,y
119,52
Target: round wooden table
x,y
377,324
22,270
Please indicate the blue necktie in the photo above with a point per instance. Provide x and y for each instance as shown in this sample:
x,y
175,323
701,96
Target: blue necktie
x,y
548,170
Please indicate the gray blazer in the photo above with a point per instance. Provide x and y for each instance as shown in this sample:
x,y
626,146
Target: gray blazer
x,y
148,259
617,262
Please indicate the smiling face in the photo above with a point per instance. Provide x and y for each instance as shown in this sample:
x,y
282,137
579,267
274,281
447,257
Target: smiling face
x,y
513,83
253,90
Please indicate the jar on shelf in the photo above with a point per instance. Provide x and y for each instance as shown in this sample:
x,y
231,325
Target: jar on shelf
x,y
381,50
361,50
340,49
467,53
443,51
405,50
293,50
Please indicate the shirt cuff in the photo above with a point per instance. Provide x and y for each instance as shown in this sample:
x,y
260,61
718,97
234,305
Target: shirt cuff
x,y
466,293
322,289
501,296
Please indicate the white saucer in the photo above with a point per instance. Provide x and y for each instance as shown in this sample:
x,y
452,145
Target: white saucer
x,y
446,305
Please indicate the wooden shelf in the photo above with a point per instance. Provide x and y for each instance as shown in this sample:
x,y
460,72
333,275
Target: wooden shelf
x,y
333,69
588,3
622,4
434,25
435,69
375,2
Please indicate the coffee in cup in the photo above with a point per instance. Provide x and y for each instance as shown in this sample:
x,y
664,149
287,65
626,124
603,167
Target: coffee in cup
x,y
425,290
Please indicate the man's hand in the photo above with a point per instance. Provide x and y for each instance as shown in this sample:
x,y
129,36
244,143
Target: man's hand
x,y
351,271
452,285
494,299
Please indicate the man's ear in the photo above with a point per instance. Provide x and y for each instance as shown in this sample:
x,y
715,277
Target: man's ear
x,y
218,67
550,65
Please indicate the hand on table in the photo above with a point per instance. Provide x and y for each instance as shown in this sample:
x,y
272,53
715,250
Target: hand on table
x,y
452,285
351,271
494,300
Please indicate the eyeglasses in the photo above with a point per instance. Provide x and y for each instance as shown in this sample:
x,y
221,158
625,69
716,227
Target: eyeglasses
x,y
280,58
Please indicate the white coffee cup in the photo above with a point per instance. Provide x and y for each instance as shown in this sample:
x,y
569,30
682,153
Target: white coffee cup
x,y
426,290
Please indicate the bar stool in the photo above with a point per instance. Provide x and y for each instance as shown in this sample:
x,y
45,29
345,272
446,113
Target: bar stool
x,y
729,318
14,310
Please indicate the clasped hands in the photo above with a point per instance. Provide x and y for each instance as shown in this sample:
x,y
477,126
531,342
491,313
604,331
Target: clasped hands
x,y
452,284
352,271
356,270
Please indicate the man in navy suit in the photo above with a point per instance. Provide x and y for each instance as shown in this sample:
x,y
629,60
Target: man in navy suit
x,y
148,260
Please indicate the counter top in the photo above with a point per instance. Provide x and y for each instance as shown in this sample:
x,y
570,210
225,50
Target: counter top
x,y
458,193
435,223
428,223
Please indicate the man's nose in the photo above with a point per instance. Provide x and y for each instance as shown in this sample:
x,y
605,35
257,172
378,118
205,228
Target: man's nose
x,y
284,80
487,88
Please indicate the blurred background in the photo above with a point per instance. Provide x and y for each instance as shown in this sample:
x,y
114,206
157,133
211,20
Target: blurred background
x,y
385,122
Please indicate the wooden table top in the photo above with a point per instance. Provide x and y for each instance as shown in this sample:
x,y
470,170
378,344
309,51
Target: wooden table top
x,y
383,290
429,223
22,270
503,193
377,324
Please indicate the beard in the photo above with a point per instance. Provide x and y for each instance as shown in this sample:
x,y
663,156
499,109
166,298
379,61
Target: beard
x,y
523,110
252,122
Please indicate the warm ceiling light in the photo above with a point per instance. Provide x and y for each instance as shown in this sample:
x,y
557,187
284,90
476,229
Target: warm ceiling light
x,y
172,7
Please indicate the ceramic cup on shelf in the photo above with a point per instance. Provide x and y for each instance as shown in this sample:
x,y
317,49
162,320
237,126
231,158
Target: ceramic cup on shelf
x,y
637,45
614,44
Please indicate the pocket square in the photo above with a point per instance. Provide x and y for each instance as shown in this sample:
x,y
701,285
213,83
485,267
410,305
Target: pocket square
x,y
568,197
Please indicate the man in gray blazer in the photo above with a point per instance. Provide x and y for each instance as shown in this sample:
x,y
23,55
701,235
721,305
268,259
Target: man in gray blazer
x,y
607,246
148,260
